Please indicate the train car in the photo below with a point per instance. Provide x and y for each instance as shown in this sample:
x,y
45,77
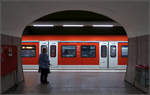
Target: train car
x,y
76,51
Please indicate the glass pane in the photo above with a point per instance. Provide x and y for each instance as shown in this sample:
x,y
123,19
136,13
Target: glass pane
x,y
124,51
113,51
28,51
68,51
88,51
53,50
103,51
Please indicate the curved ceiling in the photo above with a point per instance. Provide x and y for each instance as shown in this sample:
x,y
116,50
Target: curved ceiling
x,y
74,16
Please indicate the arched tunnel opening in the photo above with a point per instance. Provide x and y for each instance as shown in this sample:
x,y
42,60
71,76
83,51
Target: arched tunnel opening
x,y
82,30
82,46
86,50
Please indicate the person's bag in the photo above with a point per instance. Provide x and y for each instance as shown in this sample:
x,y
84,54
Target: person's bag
x,y
49,68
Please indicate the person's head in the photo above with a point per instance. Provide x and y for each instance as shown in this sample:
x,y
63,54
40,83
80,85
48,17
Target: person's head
x,y
44,50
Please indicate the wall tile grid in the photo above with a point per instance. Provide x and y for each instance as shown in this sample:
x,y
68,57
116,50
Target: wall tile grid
x,y
10,70
138,57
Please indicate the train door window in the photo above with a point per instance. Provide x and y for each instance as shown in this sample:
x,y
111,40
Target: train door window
x,y
113,51
68,51
103,51
28,50
88,51
53,51
43,46
124,51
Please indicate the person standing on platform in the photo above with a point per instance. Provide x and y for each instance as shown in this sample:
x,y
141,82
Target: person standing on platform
x,y
44,64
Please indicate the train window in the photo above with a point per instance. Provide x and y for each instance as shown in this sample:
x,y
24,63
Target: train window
x,y
28,50
88,51
103,51
68,51
113,51
44,46
124,51
53,51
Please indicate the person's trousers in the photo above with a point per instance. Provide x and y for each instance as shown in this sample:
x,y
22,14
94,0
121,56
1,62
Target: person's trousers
x,y
44,75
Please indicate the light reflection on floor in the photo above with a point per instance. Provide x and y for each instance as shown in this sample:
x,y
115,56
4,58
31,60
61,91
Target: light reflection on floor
x,y
75,83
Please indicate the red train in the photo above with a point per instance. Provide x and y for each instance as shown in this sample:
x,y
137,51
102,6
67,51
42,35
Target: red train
x,y
76,51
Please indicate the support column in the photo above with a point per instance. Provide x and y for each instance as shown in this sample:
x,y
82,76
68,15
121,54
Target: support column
x,y
138,55
11,67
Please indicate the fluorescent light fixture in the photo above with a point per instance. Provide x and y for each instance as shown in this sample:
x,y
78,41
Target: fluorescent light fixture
x,y
102,25
43,25
73,25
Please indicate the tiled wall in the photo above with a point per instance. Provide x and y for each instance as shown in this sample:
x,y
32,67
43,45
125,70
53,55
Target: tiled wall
x,y
15,75
138,55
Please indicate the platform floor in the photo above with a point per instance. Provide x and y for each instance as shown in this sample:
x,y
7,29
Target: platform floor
x,y
75,83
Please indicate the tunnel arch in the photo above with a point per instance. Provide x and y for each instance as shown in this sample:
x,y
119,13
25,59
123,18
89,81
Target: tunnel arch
x,y
81,16
105,12
61,15
30,11
76,16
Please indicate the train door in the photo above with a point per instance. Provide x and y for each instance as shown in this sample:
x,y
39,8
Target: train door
x,y
103,46
53,53
43,44
113,55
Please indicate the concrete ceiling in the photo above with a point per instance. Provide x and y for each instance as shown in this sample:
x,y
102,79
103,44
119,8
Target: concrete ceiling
x,y
131,14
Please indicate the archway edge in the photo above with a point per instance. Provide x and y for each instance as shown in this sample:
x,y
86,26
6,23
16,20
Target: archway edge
x,y
128,14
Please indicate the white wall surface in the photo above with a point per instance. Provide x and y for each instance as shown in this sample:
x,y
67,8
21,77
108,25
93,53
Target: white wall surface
x,y
131,14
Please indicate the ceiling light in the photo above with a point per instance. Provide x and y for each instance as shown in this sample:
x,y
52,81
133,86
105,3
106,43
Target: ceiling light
x,y
43,25
102,25
73,25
